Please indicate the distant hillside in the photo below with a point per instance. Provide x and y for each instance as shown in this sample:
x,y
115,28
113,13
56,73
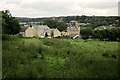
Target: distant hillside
x,y
94,21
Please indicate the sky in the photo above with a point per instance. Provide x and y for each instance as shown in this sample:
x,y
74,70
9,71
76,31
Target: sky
x,y
55,8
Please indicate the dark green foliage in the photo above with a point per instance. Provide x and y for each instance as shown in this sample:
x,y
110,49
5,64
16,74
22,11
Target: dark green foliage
x,y
9,24
61,26
106,34
94,21
86,33
46,34
51,23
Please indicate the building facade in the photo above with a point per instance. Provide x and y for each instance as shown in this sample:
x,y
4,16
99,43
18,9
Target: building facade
x,y
27,31
38,31
73,29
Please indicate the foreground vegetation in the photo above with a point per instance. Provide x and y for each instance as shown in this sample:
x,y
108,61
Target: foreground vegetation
x,y
59,58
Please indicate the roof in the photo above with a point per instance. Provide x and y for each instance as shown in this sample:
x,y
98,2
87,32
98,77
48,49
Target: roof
x,y
48,30
41,27
23,28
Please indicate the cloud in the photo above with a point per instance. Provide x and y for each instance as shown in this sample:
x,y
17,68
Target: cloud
x,y
44,8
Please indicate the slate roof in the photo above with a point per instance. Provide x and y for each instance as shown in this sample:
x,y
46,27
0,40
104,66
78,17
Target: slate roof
x,y
23,28
41,27
48,30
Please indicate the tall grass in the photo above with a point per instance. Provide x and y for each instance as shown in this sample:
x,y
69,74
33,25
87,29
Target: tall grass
x,y
59,58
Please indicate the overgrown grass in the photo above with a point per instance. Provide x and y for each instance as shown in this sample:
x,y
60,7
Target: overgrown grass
x,y
59,58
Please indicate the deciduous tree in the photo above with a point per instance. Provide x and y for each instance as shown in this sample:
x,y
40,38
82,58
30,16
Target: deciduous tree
x,y
9,24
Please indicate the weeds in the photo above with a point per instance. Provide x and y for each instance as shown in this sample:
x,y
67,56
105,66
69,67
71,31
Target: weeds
x,y
55,58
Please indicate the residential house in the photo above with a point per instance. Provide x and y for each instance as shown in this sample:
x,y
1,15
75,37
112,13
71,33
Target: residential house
x,y
56,32
27,31
53,31
38,31
64,33
73,29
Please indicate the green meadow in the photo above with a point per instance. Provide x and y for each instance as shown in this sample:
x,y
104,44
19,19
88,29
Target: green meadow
x,y
59,58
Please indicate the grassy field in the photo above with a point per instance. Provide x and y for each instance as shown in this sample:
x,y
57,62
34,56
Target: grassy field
x,y
59,58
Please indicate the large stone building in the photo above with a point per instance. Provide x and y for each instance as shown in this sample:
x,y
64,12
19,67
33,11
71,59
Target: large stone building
x,y
27,31
56,32
73,29
38,31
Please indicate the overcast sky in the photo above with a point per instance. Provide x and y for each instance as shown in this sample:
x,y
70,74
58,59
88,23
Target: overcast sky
x,y
47,8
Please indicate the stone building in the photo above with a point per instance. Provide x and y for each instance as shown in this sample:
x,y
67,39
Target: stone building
x,y
38,31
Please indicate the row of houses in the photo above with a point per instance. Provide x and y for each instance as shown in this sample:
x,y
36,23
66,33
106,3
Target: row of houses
x,y
38,31
41,30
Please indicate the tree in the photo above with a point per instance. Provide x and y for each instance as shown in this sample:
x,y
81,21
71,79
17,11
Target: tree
x,y
9,24
51,23
46,35
61,26
52,34
40,23
86,33
107,34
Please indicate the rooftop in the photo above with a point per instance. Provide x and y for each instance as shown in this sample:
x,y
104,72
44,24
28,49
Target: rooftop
x,y
41,27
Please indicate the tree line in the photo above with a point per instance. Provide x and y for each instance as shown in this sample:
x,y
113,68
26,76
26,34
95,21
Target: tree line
x,y
10,25
94,21
105,34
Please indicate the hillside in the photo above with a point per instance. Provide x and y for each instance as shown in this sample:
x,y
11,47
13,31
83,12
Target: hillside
x,y
89,21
